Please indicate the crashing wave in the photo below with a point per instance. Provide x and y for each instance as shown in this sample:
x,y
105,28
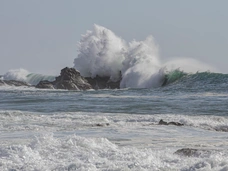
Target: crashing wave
x,y
136,64
102,53
25,76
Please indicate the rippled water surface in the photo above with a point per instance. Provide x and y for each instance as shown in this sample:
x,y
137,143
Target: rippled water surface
x,y
113,129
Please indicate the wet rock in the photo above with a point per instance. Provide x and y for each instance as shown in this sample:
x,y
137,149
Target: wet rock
x,y
103,83
45,84
189,152
161,122
102,124
69,79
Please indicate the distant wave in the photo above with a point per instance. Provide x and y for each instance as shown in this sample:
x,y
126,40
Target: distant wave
x,y
26,76
102,53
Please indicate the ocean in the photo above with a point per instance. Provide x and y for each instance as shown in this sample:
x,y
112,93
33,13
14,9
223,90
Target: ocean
x,y
117,129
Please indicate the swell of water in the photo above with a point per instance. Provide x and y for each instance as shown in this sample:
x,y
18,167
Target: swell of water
x,y
204,81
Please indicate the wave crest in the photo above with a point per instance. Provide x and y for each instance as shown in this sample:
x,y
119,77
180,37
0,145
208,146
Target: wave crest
x,y
25,76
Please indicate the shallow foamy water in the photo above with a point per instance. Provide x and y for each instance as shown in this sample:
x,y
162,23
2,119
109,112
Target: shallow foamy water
x,y
112,129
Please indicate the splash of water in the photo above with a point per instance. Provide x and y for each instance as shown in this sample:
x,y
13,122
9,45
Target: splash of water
x,y
25,76
102,53
16,74
141,67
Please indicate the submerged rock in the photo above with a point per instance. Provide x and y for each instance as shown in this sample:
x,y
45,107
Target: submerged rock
x,y
190,152
161,122
103,83
45,84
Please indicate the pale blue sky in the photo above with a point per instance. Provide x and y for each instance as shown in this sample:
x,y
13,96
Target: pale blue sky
x,y
41,36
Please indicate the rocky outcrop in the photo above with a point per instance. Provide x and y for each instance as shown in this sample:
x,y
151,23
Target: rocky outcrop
x,y
103,83
45,84
69,79
161,122
14,83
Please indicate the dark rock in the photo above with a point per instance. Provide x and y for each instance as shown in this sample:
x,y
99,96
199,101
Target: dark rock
x,y
103,83
69,79
102,125
14,83
161,122
189,152
45,84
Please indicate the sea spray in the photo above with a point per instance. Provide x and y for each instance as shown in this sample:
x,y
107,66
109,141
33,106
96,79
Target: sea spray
x,y
141,67
101,53
16,74
34,79
25,76
188,65
137,63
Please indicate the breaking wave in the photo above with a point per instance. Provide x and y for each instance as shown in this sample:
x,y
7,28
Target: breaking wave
x,y
26,76
203,80
137,64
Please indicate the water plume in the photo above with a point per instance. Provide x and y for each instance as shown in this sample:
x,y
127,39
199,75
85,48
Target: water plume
x,y
100,52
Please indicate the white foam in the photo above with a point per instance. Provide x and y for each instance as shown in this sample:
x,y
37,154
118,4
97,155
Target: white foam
x,y
24,75
47,152
63,141
188,65
16,74
141,67
100,53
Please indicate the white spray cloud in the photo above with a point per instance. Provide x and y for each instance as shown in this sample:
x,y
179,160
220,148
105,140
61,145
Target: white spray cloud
x,y
188,65
141,65
16,74
102,53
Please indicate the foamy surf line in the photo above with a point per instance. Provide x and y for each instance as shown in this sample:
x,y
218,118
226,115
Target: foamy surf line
x,y
69,121
46,152
90,141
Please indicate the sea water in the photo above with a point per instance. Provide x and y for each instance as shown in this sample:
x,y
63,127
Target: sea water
x,y
116,129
